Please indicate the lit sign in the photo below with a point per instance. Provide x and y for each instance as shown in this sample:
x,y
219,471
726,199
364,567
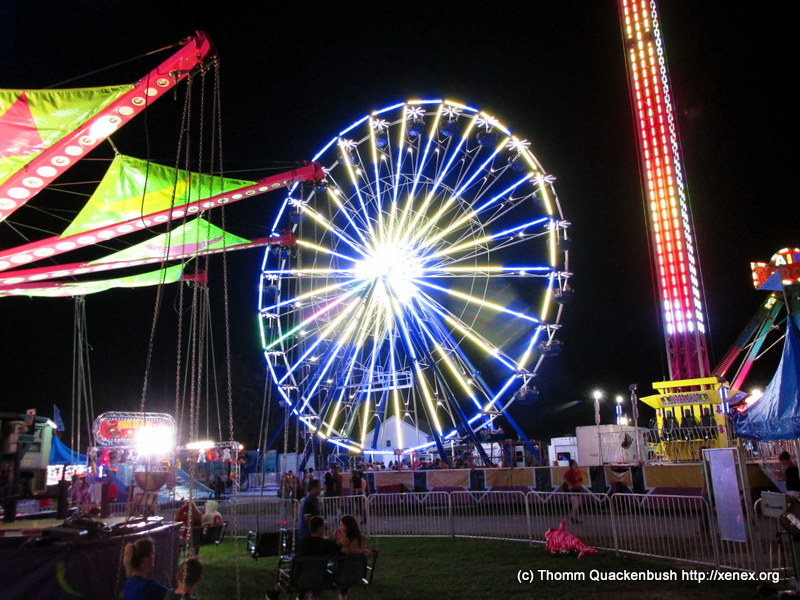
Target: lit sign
x,y
120,428
787,261
687,398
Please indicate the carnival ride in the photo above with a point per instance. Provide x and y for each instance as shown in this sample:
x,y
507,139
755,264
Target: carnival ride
x,y
425,286
140,214
693,407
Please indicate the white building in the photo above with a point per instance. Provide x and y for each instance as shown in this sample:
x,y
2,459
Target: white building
x,y
410,436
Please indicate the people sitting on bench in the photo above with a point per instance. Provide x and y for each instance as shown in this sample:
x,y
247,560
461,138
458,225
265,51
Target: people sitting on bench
x,y
322,562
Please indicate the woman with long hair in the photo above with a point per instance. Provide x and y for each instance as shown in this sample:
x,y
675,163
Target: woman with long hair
x,y
351,541
138,559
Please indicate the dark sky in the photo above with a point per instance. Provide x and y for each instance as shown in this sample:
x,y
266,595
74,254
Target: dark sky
x,y
294,73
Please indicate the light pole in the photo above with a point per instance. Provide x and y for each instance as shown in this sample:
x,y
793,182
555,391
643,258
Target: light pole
x,y
635,415
619,400
597,394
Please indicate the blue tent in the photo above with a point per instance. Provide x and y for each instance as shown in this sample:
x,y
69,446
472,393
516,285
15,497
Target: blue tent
x,y
776,416
60,454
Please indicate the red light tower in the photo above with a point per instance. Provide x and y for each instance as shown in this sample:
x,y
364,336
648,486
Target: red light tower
x,y
670,225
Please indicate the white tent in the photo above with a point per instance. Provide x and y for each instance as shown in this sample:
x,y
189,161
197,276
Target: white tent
x,y
410,436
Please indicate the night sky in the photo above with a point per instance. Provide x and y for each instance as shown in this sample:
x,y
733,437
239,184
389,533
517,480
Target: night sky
x,y
295,73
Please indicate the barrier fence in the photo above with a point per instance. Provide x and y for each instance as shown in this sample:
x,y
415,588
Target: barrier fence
x,y
662,526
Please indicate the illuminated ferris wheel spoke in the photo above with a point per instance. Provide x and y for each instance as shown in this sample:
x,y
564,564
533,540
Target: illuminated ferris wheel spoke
x,y
458,325
340,401
419,167
438,342
320,294
475,212
454,154
463,188
407,281
348,157
477,301
487,271
350,215
509,233
325,333
322,249
332,353
337,232
321,312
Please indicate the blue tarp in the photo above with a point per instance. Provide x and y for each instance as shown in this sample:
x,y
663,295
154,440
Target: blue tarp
x,y
60,454
776,416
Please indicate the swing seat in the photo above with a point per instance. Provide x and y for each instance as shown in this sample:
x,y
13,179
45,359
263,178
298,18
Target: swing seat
x,y
316,573
207,536
268,543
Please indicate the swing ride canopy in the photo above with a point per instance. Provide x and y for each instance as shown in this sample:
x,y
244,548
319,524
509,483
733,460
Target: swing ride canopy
x,y
45,132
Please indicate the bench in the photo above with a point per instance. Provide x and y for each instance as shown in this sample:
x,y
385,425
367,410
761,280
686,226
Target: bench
x,y
316,573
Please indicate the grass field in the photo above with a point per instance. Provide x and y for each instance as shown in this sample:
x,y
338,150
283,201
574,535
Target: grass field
x,y
458,569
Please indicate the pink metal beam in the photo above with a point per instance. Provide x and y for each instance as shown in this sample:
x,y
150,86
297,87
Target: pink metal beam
x,y
13,279
53,161
53,246
666,198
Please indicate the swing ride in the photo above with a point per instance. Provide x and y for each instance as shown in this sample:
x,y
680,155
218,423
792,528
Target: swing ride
x,y
139,215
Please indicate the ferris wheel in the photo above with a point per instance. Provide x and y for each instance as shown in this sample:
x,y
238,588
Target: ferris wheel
x,y
426,285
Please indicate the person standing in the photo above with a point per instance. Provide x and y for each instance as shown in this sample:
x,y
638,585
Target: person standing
x,y
108,495
218,487
289,486
573,481
308,475
138,559
309,508
789,474
333,484
358,484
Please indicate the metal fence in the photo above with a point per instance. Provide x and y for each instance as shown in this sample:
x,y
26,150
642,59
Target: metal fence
x,y
404,515
664,526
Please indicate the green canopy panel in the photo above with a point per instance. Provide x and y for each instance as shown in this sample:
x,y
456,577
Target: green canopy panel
x,y
186,240
56,289
133,187
33,120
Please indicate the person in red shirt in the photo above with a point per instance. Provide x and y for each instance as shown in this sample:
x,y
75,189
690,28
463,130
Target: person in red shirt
x,y
573,481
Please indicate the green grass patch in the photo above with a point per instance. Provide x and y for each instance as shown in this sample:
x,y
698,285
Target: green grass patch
x,y
458,569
